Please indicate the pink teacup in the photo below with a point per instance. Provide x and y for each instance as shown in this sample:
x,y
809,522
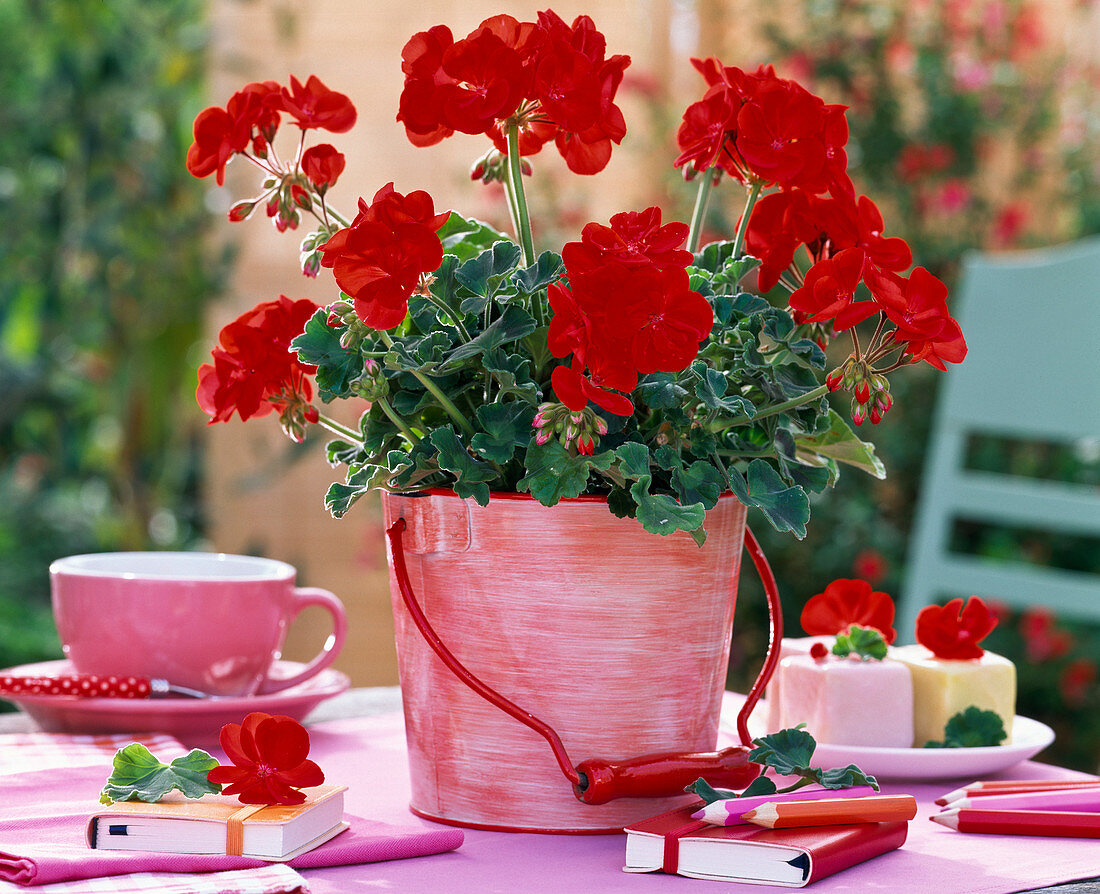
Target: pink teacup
x,y
206,621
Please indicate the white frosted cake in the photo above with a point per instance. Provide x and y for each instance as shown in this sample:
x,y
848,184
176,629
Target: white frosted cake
x,y
788,647
848,701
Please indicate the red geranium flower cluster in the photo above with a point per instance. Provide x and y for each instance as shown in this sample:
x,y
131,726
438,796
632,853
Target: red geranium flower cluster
x,y
254,371
628,310
378,260
758,127
252,116
954,631
846,602
270,757
551,79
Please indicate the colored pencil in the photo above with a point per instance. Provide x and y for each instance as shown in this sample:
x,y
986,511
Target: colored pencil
x,y
1063,824
1014,786
1065,799
833,811
730,811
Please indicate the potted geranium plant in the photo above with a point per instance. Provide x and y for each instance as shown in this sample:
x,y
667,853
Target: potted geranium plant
x,y
631,374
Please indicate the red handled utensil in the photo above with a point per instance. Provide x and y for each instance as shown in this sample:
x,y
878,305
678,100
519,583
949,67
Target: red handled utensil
x,y
94,686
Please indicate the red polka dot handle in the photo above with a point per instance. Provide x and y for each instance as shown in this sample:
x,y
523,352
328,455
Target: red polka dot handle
x,y
79,685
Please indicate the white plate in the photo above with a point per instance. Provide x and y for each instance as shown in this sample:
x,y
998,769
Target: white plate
x,y
1029,737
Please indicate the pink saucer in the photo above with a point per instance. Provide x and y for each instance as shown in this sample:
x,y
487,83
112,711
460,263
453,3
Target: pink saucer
x,y
192,721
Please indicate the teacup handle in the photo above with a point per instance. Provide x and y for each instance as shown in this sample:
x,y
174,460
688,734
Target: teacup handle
x,y
304,597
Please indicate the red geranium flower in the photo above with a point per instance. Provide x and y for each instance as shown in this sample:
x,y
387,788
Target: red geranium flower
x,y
254,369
846,602
270,757
576,390
779,132
322,164
637,238
829,290
917,305
378,260
313,105
953,631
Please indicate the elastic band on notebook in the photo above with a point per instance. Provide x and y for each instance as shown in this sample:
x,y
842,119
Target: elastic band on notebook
x,y
672,844
234,829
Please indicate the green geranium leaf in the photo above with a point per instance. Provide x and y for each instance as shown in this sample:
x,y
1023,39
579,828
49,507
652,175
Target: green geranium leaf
x,y
747,304
698,483
786,752
137,775
708,793
840,444
710,388
360,480
547,269
714,256
633,459
761,785
660,391
661,514
972,728
466,237
482,274
512,374
786,507
514,323
864,642
319,345
471,475
846,777
506,427
553,473
621,503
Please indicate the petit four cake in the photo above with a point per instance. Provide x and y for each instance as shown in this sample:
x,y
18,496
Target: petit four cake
x,y
951,671
844,602
860,698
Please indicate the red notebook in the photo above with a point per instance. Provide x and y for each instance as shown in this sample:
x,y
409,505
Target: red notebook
x,y
673,842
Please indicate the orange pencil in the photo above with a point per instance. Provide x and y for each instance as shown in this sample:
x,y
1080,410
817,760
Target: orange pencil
x,y
833,811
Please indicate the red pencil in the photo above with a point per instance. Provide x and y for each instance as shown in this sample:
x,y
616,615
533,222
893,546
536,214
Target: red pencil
x,y
1014,786
1062,824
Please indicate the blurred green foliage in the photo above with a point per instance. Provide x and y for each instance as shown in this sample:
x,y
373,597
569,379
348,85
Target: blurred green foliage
x,y
103,278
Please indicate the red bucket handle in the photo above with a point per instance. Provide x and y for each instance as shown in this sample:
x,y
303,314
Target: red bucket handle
x,y
597,781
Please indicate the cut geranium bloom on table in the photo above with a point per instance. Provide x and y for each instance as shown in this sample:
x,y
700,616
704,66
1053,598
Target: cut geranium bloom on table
x,y
270,760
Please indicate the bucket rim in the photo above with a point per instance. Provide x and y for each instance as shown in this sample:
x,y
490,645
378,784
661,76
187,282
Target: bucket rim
x,y
512,495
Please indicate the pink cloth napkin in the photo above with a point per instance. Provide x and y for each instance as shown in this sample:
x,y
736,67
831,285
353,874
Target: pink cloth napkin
x,y
273,878
45,813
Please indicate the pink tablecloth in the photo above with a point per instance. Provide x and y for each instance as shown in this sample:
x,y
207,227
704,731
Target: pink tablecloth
x,y
369,755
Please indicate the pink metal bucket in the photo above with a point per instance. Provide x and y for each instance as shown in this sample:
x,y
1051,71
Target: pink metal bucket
x,y
616,639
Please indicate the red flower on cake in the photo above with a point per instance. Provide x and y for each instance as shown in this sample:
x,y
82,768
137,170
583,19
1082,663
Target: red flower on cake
x,y
846,602
269,753
953,631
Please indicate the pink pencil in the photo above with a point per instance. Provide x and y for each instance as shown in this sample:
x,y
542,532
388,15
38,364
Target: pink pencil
x,y
1014,786
730,811
1087,799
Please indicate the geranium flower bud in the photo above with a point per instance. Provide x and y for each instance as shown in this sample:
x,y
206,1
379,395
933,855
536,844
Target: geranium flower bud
x,y
862,391
311,415
834,379
311,264
301,197
259,146
242,210
859,413
543,436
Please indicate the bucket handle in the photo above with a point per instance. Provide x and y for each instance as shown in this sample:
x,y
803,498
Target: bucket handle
x,y
597,781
